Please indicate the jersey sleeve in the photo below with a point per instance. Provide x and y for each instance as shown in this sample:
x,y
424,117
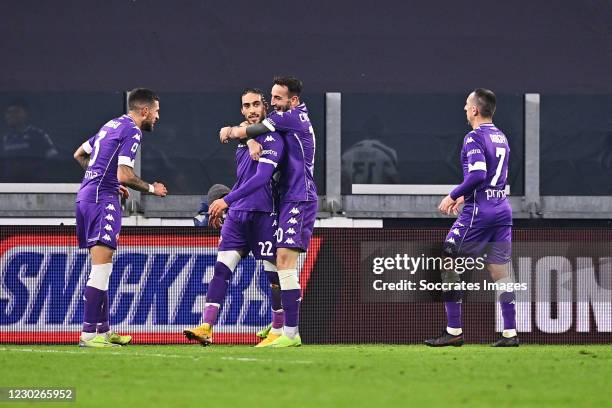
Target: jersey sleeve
x,y
129,147
88,145
273,148
474,153
278,121
272,152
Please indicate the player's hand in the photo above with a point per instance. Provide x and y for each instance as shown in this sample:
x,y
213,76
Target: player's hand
x,y
217,207
224,134
123,191
244,123
455,208
254,149
160,189
446,205
215,222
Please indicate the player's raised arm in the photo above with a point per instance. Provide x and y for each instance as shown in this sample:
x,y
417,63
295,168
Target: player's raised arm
x,y
274,149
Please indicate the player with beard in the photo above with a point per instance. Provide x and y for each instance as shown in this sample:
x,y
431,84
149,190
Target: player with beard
x,y
108,158
298,193
484,226
249,225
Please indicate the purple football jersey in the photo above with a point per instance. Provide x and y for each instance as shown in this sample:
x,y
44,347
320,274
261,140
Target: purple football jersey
x,y
273,148
116,143
296,182
486,149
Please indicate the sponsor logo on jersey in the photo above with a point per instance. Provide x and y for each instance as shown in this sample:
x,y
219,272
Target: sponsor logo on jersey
x,y
109,217
113,124
108,227
106,237
294,210
474,151
153,289
456,231
289,241
292,221
290,231
269,152
470,139
451,240
136,136
497,138
269,138
110,207
91,174
495,193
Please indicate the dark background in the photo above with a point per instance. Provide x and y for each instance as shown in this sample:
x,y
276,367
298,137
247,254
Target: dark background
x,y
404,69
359,46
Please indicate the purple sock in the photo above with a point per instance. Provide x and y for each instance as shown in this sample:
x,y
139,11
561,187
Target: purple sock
x,y
103,319
216,292
506,300
452,303
211,311
93,303
291,305
278,319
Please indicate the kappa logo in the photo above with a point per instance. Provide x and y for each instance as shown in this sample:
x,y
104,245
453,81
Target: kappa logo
x,y
109,217
294,210
292,221
456,231
451,240
108,227
106,237
269,138
290,231
110,207
469,140
136,136
289,241
460,224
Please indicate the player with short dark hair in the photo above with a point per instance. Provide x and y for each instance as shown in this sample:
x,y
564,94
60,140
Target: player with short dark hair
x,y
298,193
484,227
108,158
250,224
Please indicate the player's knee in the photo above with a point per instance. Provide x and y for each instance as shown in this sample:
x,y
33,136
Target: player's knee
x,y
100,276
229,259
498,272
288,279
286,258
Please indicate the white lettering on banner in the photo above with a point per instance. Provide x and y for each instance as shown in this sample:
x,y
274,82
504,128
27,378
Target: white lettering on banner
x,y
555,283
153,288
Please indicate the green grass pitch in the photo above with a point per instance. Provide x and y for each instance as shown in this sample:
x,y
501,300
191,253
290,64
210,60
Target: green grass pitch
x,y
315,376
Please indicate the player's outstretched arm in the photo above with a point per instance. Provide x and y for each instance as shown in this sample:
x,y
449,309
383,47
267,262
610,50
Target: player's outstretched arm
x,y
82,157
262,176
126,176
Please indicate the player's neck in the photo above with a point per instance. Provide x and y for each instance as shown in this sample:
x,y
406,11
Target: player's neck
x,y
135,118
479,121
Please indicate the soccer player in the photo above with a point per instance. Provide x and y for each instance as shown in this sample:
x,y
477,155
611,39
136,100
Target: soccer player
x,y
108,158
249,225
298,193
484,227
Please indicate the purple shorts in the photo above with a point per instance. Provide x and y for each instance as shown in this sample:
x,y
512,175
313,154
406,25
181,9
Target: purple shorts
x,y
295,224
493,243
98,223
249,231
